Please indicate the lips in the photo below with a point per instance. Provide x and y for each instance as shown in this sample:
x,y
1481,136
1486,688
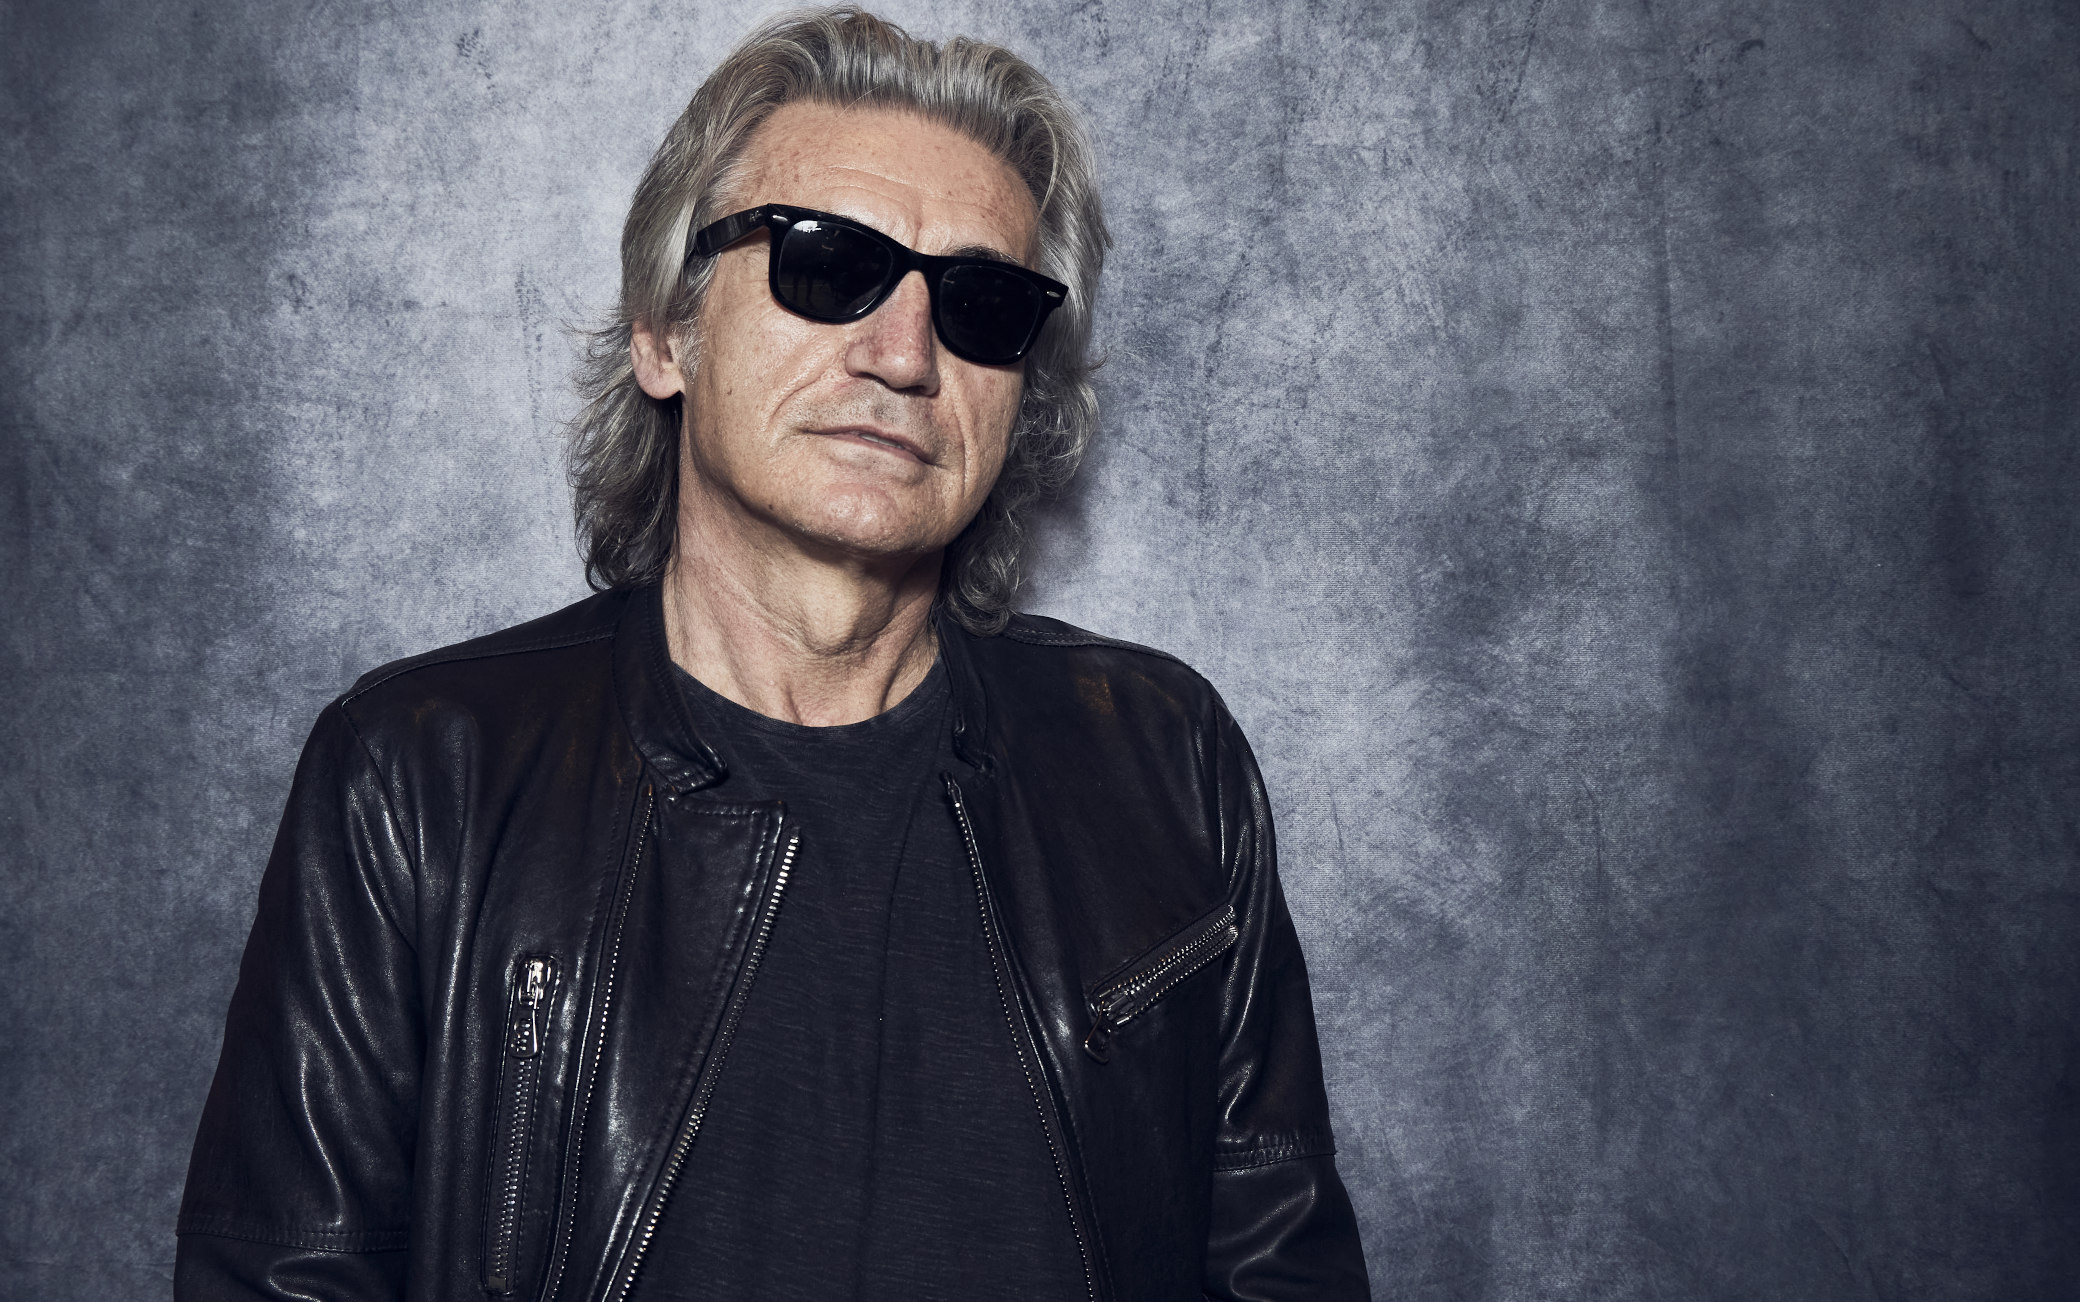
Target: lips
x,y
878,436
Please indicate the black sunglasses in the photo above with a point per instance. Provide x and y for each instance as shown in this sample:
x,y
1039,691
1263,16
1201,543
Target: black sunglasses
x,y
832,269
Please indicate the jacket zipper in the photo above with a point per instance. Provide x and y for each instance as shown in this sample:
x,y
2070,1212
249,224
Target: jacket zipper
x,y
597,1034
709,1073
526,1027
1050,1123
1119,1002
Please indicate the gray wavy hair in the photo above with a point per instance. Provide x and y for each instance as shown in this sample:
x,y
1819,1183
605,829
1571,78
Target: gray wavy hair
x,y
624,447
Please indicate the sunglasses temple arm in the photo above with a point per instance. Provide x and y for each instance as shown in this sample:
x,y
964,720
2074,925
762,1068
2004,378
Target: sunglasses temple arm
x,y
714,239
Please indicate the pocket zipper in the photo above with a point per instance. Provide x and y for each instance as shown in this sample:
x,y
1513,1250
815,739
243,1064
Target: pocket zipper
x,y
1120,1001
527,1026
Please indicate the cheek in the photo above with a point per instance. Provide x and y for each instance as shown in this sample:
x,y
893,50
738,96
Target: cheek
x,y
752,357
999,411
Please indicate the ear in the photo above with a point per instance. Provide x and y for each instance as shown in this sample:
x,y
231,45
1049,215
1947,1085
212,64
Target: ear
x,y
656,365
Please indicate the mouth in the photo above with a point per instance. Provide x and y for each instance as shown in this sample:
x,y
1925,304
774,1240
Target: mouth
x,y
875,436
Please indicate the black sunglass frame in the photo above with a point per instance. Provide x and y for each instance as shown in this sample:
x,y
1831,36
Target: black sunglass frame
x,y
779,218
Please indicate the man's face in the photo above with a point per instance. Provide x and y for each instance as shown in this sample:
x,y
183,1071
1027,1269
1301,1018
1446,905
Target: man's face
x,y
869,438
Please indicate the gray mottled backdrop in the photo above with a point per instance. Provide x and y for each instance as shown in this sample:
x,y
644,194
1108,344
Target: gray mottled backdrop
x,y
1618,460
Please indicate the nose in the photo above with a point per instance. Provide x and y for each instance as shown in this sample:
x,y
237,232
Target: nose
x,y
895,344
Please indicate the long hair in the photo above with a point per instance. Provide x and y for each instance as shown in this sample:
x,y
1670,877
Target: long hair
x,y
624,448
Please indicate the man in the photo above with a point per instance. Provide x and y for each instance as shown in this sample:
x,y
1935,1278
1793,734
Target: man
x,y
790,920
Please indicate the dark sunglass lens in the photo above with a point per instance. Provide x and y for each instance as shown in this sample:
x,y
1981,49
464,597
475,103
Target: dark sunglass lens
x,y
829,273
987,314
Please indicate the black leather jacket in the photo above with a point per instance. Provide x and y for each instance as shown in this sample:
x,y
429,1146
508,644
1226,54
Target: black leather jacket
x,y
504,938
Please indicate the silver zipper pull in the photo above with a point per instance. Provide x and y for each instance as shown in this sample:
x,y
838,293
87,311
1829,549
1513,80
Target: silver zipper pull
x,y
536,990
1098,1044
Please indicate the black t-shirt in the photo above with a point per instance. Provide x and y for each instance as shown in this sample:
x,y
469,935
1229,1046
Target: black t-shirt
x,y
871,1134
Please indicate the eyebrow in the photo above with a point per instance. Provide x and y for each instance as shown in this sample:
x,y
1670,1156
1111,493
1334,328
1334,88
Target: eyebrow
x,y
980,251
983,251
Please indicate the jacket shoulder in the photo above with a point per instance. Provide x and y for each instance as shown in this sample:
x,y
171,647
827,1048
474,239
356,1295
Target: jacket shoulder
x,y
1041,630
484,677
593,619
1050,652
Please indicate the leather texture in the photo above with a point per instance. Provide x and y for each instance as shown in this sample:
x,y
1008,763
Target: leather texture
x,y
397,1113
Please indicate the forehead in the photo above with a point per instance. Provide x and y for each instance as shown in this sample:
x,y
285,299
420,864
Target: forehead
x,y
926,184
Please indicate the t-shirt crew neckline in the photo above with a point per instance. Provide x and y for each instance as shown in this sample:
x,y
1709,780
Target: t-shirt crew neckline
x,y
929,691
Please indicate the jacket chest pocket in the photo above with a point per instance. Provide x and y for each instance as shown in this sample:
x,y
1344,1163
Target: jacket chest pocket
x,y
1122,997
513,1115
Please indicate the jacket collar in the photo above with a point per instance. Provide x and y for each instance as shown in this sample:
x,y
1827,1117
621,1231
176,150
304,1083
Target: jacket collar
x,y
662,728
651,702
970,703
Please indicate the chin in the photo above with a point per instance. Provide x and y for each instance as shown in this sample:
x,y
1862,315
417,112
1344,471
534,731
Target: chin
x,y
869,523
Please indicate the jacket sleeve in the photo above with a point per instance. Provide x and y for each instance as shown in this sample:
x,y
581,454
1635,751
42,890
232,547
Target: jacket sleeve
x,y
1282,1226
300,1182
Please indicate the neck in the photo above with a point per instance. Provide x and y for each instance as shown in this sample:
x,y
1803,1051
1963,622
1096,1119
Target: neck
x,y
812,639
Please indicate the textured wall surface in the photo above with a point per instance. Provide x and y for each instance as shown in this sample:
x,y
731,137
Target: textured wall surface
x,y
1619,461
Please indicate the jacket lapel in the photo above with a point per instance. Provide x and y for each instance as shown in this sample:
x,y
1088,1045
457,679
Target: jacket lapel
x,y
695,878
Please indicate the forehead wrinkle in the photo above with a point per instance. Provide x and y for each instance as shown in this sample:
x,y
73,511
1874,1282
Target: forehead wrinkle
x,y
951,185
